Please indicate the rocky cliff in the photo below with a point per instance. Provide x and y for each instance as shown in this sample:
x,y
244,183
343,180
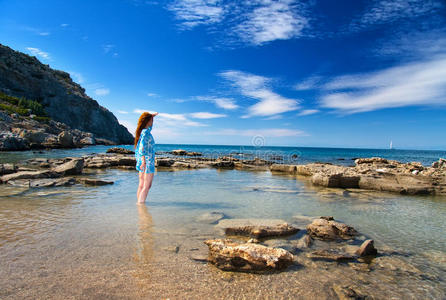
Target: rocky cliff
x,y
63,100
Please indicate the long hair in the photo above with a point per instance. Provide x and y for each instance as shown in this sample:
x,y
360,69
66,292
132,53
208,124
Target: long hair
x,y
143,120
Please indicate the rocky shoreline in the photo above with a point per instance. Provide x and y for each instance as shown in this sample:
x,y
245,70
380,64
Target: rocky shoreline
x,y
373,174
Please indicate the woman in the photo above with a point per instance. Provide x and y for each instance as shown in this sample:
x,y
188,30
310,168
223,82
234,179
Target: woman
x,y
145,155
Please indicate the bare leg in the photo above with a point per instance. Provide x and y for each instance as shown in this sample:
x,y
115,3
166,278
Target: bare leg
x,y
140,185
148,178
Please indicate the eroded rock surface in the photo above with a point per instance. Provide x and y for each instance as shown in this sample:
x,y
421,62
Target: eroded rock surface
x,y
326,228
228,255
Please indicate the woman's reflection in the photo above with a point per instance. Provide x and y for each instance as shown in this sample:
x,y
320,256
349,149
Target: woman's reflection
x,y
144,251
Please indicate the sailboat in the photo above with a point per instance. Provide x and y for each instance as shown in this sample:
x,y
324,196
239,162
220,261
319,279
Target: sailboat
x,y
391,146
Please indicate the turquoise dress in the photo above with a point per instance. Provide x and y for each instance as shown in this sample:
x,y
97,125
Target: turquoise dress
x,y
146,148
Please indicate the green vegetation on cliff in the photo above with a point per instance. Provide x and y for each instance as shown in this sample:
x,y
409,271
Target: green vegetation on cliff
x,y
23,107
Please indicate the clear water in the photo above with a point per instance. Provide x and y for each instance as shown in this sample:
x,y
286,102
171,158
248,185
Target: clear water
x,y
94,242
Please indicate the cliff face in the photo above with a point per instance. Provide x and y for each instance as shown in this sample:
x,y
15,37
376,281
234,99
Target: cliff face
x,y
64,101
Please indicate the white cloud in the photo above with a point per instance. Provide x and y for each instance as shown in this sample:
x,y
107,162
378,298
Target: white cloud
x,y
152,94
308,83
131,126
256,87
206,115
307,112
416,83
64,25
269,132
225,103
108,48
192,13
44,33
39,53
102,92
272,20
251,22
123,112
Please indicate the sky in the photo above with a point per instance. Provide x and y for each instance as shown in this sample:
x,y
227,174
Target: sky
x,y
290,73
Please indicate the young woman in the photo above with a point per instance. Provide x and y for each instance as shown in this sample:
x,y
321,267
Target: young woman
x,y
145,155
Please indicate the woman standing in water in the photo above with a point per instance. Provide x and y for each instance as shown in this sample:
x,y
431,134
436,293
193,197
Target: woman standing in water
x,y
145,155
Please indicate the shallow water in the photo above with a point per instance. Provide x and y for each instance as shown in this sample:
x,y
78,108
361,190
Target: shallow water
x,y
79,242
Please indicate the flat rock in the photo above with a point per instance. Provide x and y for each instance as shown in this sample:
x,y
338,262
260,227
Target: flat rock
x,y
210,217
6,169
94,181
72,167
40,183
326,228
30,175
228,255
257,228
119,150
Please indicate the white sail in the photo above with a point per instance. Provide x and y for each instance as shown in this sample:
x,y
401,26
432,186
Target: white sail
x,y
391,145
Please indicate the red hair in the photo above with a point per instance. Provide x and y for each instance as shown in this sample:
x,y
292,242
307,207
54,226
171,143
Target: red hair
x,y
144,119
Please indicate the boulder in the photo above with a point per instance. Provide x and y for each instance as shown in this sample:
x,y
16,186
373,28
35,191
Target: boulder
x,y
120,150
228,255
72,167
65,139
371,160
338,180
367,248
440,164
326,228
223,164
12,142
87,141
33,136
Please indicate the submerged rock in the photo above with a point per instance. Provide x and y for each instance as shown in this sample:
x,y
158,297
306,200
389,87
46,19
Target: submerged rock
x,y
210,217
345,292
41,183
30,175
330,255
93,181
326,228
231,256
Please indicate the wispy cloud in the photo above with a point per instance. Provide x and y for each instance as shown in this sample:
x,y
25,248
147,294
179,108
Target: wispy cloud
x,y
222,102
123,112
172,120
272,20
267,132
63,25
250,22
206,115
39,53
307,112
110,49
102,91
35,30
256,87
192,13
393,11
152,94
308,83
416,83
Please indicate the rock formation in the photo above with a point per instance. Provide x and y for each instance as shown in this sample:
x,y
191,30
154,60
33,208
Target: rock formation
x,y
63,100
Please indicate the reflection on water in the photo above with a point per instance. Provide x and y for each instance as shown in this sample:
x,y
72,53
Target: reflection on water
x,y
94,242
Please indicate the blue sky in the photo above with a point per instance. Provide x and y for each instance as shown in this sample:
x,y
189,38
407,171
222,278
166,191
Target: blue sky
x,y
299,73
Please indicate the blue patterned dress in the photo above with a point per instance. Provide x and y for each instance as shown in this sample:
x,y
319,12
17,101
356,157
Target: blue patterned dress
x,y
146,148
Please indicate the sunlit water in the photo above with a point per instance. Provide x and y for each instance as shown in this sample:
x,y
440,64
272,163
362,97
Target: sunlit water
x,y
79,242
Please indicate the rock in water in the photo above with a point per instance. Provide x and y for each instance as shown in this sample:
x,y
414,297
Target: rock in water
x,y
72,167
66,139
65,101
330,255
120,150
367,248
94,182
348,293
228,255
326,228
210,217
262,231
29,175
